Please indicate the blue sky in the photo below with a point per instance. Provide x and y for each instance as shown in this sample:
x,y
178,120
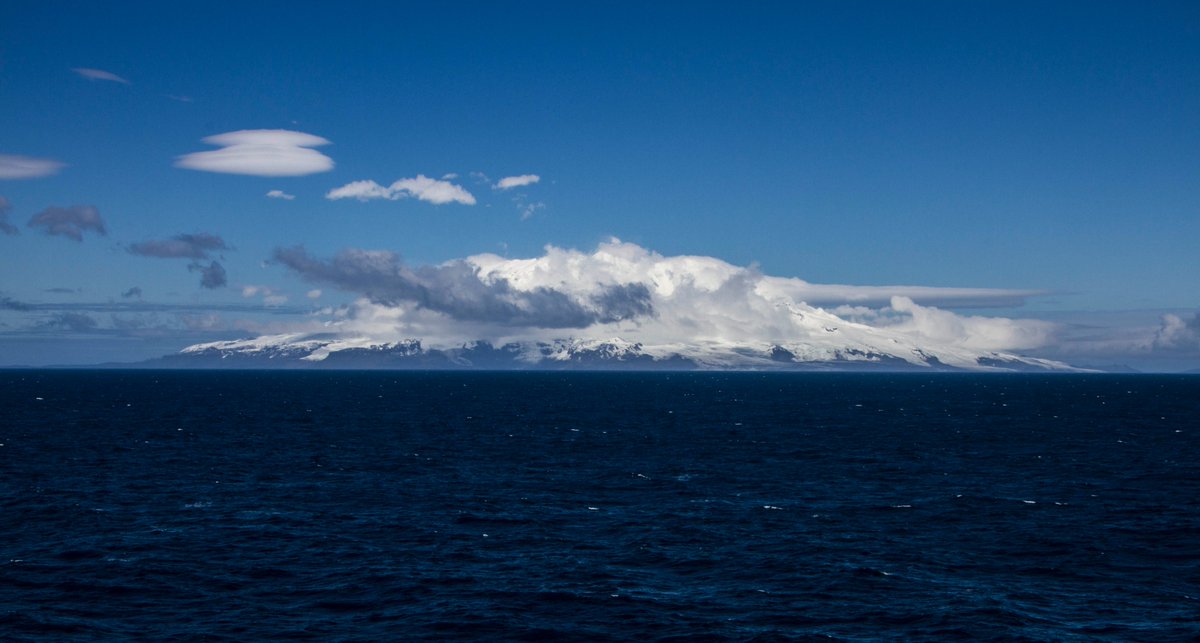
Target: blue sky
x,y
1029,146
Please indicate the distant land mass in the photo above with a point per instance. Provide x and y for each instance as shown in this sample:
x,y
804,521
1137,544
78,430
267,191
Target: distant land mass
x,y
317,352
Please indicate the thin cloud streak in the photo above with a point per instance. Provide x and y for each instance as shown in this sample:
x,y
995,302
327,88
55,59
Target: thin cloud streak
x,y
13,166
99,74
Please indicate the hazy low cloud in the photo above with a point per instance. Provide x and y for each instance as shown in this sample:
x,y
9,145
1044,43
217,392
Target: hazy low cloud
x,y
280,194
70,222
262,152
8,303
211,276
510,182
457,289
5,226
420,187
183,246
1178,334
13,166
77,322
132,292
99,74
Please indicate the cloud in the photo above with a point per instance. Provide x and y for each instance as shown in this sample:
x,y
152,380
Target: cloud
x,y
99,74
529,209
63,291
626,291
77,322
421,187
280,194
262,152
315,293
972,332
183,246
510,182
8,303
211,276
459,290
132,292
13,166
270,296
5,226
1178,334
69,222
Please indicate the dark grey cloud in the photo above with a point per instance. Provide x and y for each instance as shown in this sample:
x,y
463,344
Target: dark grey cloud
x,y
5,226
456,289
211,276
8,303
183,246
69,222
132,292
64,291
77,322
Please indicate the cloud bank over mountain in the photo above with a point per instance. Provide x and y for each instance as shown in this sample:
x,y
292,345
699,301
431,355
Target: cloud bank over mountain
x,y
624,290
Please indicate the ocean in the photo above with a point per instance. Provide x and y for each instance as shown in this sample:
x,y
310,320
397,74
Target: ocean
x,y
369,506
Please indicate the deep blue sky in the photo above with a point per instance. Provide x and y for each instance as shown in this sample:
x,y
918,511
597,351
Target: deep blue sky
x,y
1050,146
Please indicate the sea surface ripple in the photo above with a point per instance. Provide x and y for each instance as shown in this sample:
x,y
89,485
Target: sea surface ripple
x,y
366,506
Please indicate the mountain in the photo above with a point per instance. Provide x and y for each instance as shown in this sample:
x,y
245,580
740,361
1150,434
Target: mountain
x,y
330,352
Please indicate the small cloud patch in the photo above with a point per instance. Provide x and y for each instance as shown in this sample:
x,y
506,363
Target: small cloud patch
x,y
69,222
509,182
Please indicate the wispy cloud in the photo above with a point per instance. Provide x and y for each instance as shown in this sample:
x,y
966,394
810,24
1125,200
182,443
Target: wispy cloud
x,y
5,226
529,209
261,153
70,222
420,187
270,296
183,246
99,74
132,292
509,182
280,194
13,166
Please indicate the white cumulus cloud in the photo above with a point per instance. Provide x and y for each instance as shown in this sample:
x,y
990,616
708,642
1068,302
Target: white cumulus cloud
x,y
280,194
263,152
99,74
510,182
420,187
627,291
13,166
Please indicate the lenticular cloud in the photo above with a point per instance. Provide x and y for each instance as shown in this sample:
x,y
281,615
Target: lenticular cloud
x,y
261,152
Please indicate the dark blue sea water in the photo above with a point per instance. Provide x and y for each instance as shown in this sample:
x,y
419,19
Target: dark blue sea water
x,y
240,506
